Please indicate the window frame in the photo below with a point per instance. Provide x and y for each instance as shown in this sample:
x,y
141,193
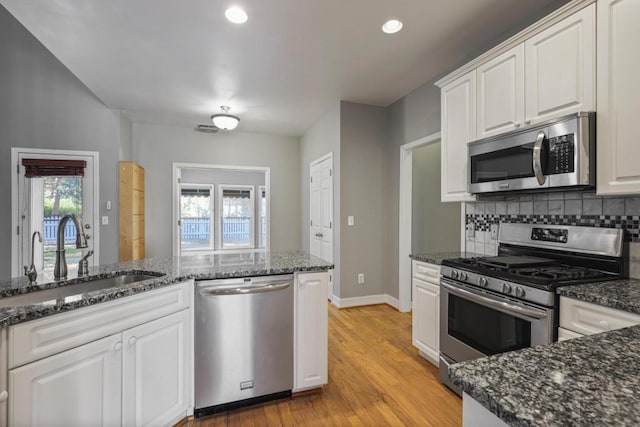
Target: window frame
x,y
220,214
212,217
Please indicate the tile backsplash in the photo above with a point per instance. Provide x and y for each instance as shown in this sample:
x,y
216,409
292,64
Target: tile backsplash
x,y
558,208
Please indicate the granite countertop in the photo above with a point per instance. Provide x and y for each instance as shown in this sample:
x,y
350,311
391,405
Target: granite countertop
x,y
438,257
592,380
168,270
623,294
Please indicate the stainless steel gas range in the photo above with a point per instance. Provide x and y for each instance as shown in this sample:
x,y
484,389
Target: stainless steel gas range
x,y
492,305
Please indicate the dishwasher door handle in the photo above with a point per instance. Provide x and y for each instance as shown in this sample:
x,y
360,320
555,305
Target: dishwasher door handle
x,y
271,287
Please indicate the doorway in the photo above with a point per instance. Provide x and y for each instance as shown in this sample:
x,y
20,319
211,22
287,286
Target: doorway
x,y
321,211
47,185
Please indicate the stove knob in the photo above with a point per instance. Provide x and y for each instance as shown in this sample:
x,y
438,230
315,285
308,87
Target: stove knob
x,y
520,292
506,288
483,282
463,276
454,274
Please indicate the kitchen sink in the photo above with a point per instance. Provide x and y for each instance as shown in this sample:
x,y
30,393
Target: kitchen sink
x,y
74,292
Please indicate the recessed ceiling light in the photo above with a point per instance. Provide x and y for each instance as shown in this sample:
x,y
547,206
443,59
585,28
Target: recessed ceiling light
x,y
236,15
392,26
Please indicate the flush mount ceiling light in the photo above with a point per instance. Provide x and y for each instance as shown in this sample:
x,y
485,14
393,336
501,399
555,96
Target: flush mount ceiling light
x,y
392,26
224,120
236,15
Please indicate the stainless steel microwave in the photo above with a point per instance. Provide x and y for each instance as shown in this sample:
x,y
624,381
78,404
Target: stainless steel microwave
x,y
555,154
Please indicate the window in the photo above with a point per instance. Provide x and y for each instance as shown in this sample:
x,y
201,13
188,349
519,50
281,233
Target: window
x,y
196,217
262,224
236,217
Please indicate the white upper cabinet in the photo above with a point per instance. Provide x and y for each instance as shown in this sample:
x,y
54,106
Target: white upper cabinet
x,y
501,93
458,103
560,68
618,168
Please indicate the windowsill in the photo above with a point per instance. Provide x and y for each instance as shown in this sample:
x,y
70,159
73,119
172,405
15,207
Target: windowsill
x,y
223,251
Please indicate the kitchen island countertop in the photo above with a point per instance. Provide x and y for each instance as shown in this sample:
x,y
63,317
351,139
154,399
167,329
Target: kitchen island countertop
x,y
592,380
169,270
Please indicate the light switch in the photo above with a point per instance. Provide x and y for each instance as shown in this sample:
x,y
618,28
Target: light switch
x,y
105,220
350,221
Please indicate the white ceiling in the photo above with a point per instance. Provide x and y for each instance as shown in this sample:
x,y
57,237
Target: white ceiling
x,y
177,61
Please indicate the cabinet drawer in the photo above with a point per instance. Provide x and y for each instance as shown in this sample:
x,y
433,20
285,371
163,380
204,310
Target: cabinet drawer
x,y
44,337
426,271
587,318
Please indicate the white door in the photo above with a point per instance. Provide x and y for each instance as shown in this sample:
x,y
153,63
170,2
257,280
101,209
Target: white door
x,y
618,97
501,93
321,211
40,202
426,318
458,100
311,331
560,68
156,371
80,387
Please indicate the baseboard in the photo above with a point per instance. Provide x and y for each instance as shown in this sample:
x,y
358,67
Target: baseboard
x,y
365,300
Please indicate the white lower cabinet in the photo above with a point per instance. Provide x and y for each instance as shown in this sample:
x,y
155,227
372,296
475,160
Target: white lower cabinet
x,y
139,376
579,318
79,387
426,319
426,309
156,371
310,331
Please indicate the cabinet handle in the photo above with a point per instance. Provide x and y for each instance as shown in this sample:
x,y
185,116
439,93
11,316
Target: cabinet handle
x,y
528,121
118,346
3,396
516,124
605,325
132,340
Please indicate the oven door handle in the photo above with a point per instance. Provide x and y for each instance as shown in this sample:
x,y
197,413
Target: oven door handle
x,y
537,154
499,305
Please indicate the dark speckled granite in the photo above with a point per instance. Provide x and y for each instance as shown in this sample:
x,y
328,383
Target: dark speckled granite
x,y
593,380
620,294
172,270
437,257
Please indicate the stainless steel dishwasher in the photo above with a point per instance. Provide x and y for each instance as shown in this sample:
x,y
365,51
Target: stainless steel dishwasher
x,y
243,342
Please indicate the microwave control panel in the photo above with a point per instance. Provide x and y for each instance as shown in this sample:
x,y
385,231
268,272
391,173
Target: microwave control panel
x,y
561,154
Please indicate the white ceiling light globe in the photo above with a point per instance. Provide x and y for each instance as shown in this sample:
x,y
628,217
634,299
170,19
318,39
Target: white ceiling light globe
x,y
392,26
236,15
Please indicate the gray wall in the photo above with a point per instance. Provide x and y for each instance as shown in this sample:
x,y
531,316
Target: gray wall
x,y
435,225
363,142
415,116
322,138
156,148
222,176
43,105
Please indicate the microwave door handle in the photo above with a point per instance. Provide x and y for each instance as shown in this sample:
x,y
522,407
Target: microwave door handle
x,y
492,303
537,153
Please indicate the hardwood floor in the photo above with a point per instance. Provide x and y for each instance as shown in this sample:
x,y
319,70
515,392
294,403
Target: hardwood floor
x,y
376,377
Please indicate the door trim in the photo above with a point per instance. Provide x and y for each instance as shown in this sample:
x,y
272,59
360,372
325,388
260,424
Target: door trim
x,y
15,215
405,218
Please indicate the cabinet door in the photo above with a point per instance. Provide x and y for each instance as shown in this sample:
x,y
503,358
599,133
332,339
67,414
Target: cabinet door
x,y
458,101
156,369
560,68
501,93
426,319
618,97
310,329
79,387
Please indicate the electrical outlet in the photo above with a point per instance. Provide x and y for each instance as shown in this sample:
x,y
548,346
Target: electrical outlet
x,y
494,231
351,221
471,230
361,279
105,220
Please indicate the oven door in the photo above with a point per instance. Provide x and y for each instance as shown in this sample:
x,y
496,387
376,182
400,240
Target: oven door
x,y
476,323
513,162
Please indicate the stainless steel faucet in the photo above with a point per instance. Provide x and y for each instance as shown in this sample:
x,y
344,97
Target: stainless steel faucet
x,y
60,270
31,271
